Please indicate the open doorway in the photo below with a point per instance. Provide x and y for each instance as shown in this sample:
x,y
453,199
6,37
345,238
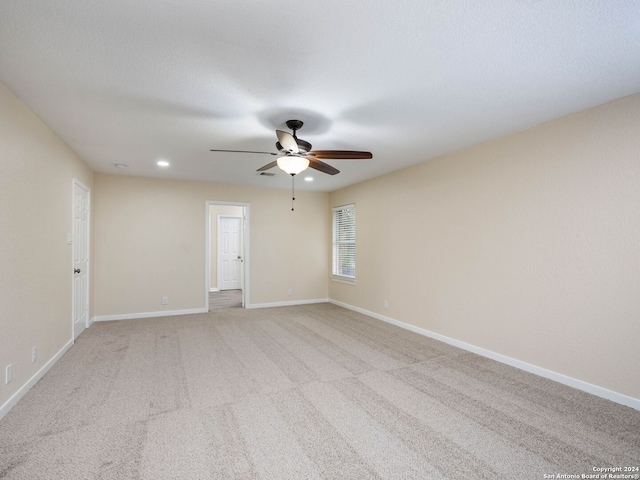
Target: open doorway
x,y
227,259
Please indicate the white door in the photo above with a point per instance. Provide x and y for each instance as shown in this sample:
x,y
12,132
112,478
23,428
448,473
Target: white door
x,y
229,253
80,258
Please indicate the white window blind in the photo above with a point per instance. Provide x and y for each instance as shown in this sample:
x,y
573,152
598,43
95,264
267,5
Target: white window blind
x,y
344,242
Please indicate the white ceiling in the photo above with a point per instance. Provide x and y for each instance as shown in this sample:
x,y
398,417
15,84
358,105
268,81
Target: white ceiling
x,y
136,81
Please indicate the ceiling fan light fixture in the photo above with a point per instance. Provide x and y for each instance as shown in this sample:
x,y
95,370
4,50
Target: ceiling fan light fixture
x,y
293,165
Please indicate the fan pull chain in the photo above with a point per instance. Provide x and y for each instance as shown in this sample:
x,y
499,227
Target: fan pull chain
x,y
293,195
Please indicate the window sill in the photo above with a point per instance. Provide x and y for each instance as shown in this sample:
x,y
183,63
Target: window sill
x,y
345,280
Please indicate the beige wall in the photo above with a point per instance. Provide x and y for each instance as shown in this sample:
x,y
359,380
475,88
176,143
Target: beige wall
x,y
36,174
150,243
214,211
528,246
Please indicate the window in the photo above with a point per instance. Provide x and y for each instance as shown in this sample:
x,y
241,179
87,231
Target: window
x,y
344,243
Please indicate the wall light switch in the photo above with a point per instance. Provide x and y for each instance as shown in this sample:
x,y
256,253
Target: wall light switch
x,y
69,239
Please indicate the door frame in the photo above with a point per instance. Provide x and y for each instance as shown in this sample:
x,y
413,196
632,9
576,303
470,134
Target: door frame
x,y
75,182
241,273
246,244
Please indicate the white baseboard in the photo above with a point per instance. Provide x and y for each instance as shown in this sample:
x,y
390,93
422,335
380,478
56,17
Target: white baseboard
x,y
162,313
91,320
213,290
15,398
287,304
527,367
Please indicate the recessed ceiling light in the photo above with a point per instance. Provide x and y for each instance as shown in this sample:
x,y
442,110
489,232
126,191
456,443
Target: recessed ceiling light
x,y
163,163
121,165
308,179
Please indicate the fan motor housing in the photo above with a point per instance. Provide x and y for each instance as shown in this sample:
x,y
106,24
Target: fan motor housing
x,y
302,145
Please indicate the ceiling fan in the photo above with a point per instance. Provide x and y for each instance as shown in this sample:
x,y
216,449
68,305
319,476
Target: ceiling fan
x,y
295,155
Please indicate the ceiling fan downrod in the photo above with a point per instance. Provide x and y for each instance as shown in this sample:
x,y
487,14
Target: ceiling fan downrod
x,y
294,125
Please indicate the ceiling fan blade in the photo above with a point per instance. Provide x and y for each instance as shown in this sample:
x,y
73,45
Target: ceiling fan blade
x,y
242,151
287,141
322,167
341,154
268,166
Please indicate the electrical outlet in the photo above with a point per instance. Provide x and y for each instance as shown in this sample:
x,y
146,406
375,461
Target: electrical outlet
x,y
34,355
385,304
165,300
289,292
7,377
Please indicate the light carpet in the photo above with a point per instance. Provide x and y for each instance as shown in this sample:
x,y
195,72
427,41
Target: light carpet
x,y
313,391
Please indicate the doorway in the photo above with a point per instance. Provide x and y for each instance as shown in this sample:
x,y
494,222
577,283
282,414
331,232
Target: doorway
x,y
80,257
227,256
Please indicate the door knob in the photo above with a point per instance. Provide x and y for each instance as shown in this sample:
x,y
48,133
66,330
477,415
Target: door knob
x,y
76,270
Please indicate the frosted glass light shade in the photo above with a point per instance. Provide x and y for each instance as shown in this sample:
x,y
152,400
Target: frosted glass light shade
x,y
293,165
